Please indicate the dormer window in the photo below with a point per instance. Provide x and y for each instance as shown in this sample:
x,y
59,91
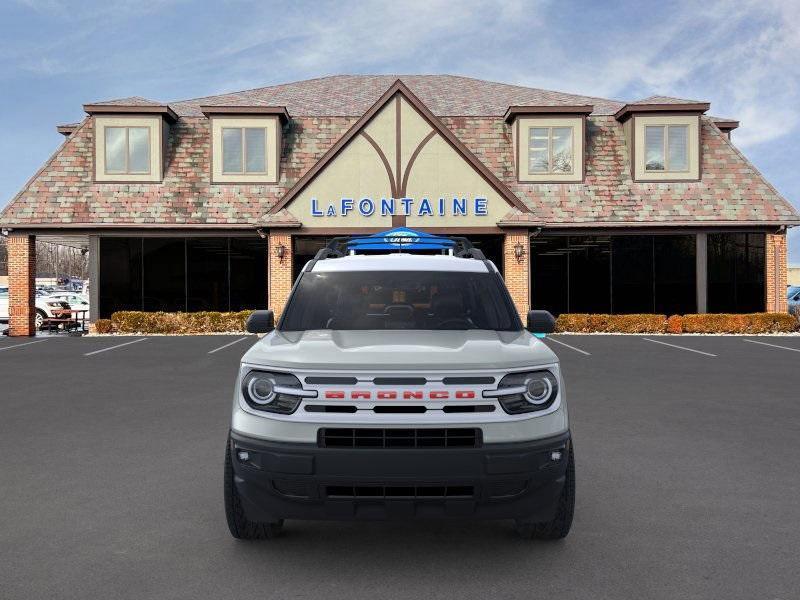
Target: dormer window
x,y
666,148
244,150
548,142
130,140
245,143
550,150
127,150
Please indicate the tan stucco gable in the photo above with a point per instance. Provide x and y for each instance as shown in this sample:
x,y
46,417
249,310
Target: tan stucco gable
x,y
399,160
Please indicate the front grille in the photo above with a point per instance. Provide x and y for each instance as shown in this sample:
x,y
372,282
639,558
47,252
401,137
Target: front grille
x,y
420,492
399,438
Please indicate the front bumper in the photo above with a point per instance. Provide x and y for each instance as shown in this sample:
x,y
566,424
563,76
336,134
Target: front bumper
x,y
303,481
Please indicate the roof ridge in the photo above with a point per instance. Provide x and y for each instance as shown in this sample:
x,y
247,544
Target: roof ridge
x,y
260,88
395,76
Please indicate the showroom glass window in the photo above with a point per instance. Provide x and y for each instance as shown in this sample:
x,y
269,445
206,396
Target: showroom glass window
x,y
244,150
736,265
666,148
182,274
550,150
127,150
614,274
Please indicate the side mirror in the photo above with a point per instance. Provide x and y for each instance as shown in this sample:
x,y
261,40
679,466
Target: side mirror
x,y
541,322
261,321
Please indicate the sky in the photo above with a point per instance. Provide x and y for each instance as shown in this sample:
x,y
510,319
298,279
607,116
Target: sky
x,y
739,55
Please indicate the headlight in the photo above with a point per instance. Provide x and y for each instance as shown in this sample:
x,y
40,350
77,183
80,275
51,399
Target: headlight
x,y
273,392
526,392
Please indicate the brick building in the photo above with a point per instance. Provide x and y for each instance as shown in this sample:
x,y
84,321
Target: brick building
x,y
585,204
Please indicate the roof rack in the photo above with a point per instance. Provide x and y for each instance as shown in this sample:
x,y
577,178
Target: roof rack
x,y
341,246
460,247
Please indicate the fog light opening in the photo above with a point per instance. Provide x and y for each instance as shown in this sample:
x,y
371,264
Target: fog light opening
x,y
243,455
555,455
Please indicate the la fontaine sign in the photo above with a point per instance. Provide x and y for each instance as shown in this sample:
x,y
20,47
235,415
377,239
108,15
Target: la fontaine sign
x,y
389,207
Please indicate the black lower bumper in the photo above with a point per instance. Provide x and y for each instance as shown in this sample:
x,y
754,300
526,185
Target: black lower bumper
x,y
303,481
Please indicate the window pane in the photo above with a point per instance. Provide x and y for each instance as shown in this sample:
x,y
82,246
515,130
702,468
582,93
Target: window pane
x,y
675,280
538,150
164,274
207,273
255,140
115,149
537,161
736,272
249,273
654,148
139,149
120,265
632,274
549,274
678,140
589,274
231,150
562,149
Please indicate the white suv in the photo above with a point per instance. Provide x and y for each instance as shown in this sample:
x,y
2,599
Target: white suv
x,y
399,385
47,307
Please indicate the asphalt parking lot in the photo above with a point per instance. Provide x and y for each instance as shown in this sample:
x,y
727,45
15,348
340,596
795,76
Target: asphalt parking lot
x,y
687,467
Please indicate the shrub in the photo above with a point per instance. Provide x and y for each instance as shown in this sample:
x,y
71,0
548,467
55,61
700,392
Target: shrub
x,y
163,322
103,326
585,323
706,323
675,324
747,323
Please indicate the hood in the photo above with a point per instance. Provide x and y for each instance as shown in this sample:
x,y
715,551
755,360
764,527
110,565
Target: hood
x,y
401,350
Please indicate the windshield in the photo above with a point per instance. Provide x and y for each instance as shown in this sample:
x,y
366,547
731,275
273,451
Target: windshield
x,y
430,300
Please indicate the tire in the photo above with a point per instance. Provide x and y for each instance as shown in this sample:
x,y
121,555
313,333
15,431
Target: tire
x,y
39,318
239,525
559,526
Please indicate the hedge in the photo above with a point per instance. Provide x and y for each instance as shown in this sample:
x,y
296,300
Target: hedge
x,y
163,322
707,323
222,322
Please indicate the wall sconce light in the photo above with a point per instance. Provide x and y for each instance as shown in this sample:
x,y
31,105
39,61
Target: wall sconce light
x,y
280,252
519,252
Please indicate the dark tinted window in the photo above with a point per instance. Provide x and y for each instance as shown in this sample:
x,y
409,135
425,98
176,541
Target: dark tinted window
x,y
736,272
248,273
164,274
207,274
614,274
120,275
178,274
400,300
675,273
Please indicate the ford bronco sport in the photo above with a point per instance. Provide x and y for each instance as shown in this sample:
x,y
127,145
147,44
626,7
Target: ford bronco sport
x,y
399,385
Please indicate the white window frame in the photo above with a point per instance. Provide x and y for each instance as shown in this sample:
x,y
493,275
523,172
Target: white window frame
x,y
665,148
244,171
550,170
127,129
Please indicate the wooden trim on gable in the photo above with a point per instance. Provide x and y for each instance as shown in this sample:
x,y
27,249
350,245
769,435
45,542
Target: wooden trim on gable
x,y
398,87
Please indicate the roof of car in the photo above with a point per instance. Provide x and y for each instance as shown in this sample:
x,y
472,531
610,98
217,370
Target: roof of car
x,y
399,261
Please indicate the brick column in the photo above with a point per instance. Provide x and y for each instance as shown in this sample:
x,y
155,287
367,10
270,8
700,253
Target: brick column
x,y
280,272
517,272
775,273
21,284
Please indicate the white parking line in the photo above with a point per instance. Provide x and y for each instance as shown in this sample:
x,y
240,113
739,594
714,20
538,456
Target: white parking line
x,y
680,347
114,347
771,345
20,345
552,339
227,345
